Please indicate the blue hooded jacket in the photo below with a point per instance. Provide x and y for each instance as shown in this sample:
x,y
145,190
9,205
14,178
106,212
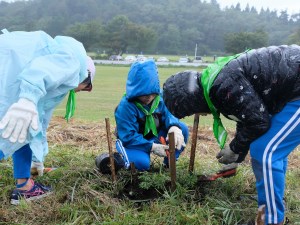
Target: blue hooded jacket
x,y
142,80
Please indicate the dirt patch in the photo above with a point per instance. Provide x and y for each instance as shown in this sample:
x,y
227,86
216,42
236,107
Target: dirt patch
x,y
133,192
92,136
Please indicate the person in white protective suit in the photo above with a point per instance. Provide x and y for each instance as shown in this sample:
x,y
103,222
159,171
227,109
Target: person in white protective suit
x,y
36,73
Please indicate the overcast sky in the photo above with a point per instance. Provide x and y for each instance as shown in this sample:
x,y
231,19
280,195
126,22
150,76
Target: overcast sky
x,y
292,6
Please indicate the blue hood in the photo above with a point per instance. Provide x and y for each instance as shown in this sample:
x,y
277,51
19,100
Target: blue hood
x,y
142,80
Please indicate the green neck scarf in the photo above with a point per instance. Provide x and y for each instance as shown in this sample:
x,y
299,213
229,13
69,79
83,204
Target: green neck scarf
x,y
207,78
71,105
150,122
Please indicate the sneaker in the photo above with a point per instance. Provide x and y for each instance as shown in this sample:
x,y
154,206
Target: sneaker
x,y
103,162
286,221
36,192
252,222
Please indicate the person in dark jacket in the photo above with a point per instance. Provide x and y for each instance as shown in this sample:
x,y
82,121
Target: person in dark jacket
x,y
142,118
260,90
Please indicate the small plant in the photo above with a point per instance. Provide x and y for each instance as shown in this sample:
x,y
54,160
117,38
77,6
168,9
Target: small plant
x,y
153,180
186,179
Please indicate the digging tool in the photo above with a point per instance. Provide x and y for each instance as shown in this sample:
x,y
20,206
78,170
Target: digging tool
x,y
223,174
163,141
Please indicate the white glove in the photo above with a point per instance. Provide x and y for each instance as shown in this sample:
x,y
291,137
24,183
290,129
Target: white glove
x,y
178,136
17,120
159,149
38,166
227,156
228,167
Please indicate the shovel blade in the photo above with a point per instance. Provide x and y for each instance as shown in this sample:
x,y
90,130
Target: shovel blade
x,y
224,174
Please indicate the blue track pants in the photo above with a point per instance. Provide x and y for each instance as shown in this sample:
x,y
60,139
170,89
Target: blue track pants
x,y
140,158
22,162
269,160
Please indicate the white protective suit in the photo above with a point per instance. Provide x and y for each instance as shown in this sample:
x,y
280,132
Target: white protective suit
x,y
43,70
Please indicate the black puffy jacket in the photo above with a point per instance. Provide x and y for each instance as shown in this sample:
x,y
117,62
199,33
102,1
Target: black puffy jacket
x,y
254,86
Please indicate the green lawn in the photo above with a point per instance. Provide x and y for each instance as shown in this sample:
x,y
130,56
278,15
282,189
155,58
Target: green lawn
x,y
108,88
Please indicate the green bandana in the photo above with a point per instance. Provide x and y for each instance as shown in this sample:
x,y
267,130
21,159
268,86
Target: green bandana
x,y
71,104
207,79
150,123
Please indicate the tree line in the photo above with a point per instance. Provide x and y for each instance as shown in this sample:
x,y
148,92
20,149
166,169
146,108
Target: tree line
x,y
154,27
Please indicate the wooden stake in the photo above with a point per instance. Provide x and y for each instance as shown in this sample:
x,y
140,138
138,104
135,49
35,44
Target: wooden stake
x,y
172,161
111,154
194,143
132,168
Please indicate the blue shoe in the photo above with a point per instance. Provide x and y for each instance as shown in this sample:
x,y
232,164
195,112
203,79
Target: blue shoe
x,y
36,192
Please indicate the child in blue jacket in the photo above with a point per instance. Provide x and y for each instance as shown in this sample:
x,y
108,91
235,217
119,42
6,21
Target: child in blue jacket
x,y
142,118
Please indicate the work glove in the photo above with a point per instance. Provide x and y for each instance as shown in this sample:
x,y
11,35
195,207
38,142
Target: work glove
x,y
17,120
228,167
227,156
37,167
242,156
159,149
178,137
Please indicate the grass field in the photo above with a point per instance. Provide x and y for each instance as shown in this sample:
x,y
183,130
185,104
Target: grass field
x,y
108,88
83,196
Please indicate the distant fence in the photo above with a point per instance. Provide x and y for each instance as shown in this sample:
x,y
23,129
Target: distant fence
x,y
106,62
